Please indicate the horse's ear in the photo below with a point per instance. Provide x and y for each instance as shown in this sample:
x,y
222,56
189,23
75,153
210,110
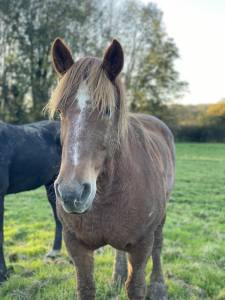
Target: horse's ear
x,y
61,56
113,60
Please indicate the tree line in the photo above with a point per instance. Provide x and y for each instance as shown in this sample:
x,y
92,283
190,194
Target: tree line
x,y
28,27
199,123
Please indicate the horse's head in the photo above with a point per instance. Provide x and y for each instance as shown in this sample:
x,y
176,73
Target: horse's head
x,y
93,119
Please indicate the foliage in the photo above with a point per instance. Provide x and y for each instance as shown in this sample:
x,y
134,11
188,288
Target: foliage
x,y
30,27
216,114
27,29
187,115
155,81
200,133
199,123
217,109
194,245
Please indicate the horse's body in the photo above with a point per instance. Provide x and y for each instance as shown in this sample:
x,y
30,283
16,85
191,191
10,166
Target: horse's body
x,y
141,168
116,174
29,157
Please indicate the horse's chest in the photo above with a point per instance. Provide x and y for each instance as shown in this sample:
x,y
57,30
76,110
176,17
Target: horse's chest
x,y
87,228
116,226
126,229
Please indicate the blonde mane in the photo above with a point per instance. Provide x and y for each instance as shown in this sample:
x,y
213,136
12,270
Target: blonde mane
x,y
103,92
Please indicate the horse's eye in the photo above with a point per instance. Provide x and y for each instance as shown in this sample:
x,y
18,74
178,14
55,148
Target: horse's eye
x,y
107,112
59,113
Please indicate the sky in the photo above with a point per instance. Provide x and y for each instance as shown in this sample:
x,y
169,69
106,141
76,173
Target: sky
x,y
198,29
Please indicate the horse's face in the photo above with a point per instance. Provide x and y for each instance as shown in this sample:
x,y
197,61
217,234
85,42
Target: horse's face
x,y
87,135
86,141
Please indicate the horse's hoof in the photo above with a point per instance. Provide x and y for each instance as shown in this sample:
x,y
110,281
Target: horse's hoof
x,y
10,270
4,274
157,291
3,277
53,254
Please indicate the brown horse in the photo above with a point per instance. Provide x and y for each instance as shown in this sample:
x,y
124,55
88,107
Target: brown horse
x,y
116,174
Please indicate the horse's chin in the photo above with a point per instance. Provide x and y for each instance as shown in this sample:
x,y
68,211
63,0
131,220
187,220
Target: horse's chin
x,y
78,210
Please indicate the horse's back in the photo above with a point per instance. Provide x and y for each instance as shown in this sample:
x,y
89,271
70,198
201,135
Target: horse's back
x,y
31,154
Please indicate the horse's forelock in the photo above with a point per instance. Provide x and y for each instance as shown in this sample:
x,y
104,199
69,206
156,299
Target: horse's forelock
x,y
105,95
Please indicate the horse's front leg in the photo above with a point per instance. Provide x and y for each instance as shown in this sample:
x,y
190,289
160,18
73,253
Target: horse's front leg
x,y
58,226
83,259
120,268
3,270
157,289
137,260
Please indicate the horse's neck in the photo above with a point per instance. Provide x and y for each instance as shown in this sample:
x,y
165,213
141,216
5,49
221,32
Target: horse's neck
x,y
111,179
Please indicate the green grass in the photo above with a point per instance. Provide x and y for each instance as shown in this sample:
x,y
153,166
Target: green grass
x,y
194,247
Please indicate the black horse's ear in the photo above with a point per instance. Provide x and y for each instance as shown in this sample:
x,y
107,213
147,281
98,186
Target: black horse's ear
x,y
113,60
61,56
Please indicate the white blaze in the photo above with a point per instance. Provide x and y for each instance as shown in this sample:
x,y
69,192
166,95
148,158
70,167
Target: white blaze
x,y
82,97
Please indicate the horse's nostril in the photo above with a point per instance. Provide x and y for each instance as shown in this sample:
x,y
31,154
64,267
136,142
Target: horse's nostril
x,y
86,191
76,193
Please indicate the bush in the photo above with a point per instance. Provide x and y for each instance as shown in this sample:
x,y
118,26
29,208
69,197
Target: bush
x,y
203,133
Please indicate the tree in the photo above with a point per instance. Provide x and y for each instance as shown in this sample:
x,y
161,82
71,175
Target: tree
x,y
28,27
31,28
216,114
149,72
156,80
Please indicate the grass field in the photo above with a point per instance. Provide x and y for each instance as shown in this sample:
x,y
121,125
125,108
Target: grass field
x,y
194,247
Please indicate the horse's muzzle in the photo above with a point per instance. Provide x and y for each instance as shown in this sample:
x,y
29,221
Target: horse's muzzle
x,y
76,197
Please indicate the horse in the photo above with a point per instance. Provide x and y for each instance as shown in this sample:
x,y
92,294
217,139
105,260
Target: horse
x,y
29,158
117,171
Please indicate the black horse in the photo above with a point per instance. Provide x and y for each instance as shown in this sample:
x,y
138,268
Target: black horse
x,y
29,157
